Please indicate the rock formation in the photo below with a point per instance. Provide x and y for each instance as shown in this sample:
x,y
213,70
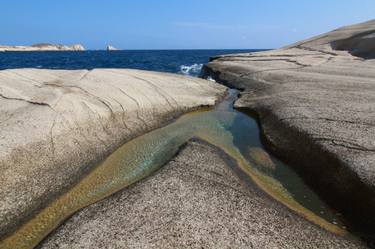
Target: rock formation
x,y
77,47
195,201
111,48
43,47
315,101
56,125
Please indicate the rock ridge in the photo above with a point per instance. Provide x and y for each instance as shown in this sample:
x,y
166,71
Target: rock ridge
x,y
315,101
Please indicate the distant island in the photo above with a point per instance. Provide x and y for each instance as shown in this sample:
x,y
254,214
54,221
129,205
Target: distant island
x,y
43,47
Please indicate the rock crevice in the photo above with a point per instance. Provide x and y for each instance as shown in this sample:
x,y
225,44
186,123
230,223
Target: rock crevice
x,y
197,200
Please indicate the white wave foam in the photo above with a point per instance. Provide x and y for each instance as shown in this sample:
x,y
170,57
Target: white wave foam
x,y
211,79
192,70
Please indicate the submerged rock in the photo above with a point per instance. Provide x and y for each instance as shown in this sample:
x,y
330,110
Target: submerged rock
x,y
56,125
262,158
316,105
195,201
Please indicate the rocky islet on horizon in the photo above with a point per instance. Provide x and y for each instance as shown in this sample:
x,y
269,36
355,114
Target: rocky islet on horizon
x,y
111,48
43,47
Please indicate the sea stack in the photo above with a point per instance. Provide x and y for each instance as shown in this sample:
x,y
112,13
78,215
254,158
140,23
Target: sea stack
x,y
111,48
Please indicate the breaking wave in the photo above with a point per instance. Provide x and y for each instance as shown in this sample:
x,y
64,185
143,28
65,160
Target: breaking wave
x,y
192,70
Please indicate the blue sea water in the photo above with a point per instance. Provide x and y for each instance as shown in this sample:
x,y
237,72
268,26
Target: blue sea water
x,y
187,62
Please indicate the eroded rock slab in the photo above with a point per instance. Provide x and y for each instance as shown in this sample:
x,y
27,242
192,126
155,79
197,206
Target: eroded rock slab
x,y
316,105
56,125
195,201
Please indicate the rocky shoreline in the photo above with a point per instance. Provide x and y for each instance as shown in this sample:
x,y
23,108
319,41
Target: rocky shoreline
x,y
58,124
315,101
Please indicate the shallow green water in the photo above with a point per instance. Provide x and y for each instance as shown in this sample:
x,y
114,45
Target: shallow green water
x,y
232,131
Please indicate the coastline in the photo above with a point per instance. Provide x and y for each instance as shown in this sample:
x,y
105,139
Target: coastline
x,y
306,98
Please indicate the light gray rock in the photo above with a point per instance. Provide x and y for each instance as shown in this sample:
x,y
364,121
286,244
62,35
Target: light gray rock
x,y
56,125
43,47
195,201
77,47
316,105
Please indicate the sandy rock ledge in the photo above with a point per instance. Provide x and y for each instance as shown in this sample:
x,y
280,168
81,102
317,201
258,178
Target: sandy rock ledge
x,y
56,125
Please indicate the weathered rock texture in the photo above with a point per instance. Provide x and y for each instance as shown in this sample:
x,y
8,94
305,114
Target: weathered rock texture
x,y
195,201
316,105
55,125
43,47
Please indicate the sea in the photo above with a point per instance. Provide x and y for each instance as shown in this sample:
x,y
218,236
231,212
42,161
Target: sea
x,y
187,62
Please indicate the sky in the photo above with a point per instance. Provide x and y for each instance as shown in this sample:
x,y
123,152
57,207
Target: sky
x,y
175,24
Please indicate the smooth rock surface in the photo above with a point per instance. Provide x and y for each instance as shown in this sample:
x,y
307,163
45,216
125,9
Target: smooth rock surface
x,y
316,105
56,125
195,201
43,47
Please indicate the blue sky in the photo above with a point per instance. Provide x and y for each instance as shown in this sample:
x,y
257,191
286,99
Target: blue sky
x,y
175,24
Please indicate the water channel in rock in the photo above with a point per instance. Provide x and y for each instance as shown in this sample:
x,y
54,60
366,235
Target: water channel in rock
x,y
233,132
